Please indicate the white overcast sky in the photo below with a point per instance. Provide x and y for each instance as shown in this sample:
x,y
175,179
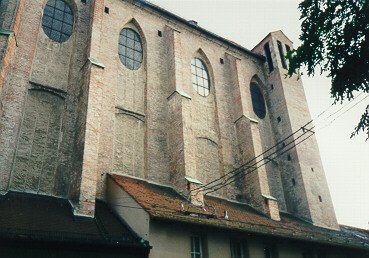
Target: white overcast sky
x,y
345,160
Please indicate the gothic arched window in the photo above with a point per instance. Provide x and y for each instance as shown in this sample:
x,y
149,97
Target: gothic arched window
x,y
257,99
130,49
200,77
57,21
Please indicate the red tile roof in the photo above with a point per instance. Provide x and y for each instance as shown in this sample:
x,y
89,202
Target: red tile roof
x,y
163,202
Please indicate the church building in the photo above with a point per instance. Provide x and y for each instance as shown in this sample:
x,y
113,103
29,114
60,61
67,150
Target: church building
x,y
128,131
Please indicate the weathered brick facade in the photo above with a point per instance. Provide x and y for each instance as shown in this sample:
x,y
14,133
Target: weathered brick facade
x,y
72,112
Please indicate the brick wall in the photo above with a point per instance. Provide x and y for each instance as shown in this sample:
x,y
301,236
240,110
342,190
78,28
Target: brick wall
x,y
15,84
151,122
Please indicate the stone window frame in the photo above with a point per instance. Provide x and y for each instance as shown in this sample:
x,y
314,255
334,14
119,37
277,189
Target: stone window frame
x,y
58,20
130,54
200,77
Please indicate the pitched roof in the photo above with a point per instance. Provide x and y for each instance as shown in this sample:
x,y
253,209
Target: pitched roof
x,y
163,202
43,218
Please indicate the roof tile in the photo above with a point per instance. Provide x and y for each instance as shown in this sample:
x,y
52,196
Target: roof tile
x,y
164,202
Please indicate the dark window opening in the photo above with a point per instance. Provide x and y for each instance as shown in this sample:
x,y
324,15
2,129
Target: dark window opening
x,y
159,33
289,157
268,57
197,248
57,21
281,54
200,77
239,197
272,87
130,49
312,169
283,144
293,182
270,251
307,254
83,1
237,249
279,119
320,198
322,254
257,100
221,61
106,9
267,252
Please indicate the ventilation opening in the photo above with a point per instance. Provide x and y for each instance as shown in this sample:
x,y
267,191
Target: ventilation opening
x,y
279,119
159,33
312,169
293,182
239,198
221,61
106,9
320,198
192,22
289,157
272,87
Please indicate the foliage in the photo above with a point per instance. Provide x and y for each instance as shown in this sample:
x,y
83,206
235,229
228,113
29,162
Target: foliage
x,y
335,40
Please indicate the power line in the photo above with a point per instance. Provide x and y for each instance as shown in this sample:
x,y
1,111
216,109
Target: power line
x,y
266,151
255,168
274,146
345,111
250,161
242,168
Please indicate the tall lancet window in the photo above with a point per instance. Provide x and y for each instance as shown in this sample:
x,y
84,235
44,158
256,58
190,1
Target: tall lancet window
x,y
200,77
130,49
57,21
257,99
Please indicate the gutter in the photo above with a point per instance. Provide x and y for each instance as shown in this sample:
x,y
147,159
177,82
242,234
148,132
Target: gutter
x,y
71,244
264,233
